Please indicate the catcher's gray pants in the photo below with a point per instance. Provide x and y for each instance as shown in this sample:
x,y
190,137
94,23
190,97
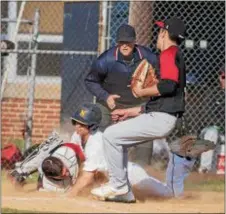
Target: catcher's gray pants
x,y
117,138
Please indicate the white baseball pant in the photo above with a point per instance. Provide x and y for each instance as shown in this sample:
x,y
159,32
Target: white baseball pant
x,y
177,170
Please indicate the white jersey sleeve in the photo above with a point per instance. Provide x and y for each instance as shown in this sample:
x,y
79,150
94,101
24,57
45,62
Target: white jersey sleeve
x,y
91,162
76,139
94,154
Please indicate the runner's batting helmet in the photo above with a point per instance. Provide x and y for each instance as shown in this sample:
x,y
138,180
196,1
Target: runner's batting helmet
x,y
88,114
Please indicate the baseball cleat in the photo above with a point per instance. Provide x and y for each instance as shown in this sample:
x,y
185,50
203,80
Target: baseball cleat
x,y
126,198
106,191
16,178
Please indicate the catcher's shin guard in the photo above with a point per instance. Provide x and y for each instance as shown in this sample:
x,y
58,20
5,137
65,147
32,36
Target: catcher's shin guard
x,y
33,161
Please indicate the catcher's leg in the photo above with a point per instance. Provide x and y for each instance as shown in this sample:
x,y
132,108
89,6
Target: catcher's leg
x,y
33,161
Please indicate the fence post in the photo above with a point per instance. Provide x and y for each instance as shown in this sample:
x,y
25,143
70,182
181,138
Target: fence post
x,y
31,88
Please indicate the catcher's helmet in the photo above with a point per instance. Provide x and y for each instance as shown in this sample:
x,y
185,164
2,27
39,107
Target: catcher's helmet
x,y
52,167
88,114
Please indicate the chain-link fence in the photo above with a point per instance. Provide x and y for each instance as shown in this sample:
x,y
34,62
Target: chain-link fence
x,y
204,52
72,34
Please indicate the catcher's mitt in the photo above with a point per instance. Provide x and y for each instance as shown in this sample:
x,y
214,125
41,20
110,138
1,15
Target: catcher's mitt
x,y
144,76
183,145
190,146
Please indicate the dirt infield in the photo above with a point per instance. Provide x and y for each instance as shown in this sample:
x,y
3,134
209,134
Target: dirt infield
x,y
28,199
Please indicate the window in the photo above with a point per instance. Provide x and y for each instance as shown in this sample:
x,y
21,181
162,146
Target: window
x,y
47,64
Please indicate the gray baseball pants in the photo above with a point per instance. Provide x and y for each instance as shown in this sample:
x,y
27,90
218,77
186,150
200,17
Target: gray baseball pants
x,y
142,153
118,137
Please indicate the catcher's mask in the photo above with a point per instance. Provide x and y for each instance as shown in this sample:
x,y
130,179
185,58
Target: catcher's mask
x,y
54,168
88,114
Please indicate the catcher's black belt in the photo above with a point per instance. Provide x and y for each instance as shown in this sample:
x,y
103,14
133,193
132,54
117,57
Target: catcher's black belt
x,y
176,114
187,158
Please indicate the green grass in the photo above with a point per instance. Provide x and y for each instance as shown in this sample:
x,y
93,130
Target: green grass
x,y
20,144
9,210
216,185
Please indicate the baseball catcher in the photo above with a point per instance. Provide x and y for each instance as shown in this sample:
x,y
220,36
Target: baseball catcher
x,y
56,161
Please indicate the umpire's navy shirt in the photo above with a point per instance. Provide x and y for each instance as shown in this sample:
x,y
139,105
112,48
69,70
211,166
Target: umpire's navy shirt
x,y
111,75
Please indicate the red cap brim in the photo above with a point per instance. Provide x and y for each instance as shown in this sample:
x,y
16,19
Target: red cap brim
x,y
160,24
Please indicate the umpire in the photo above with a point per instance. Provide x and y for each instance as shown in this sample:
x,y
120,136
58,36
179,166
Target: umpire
x,y
111,73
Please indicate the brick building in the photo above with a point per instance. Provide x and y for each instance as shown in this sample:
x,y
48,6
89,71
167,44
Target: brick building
x,y
46,113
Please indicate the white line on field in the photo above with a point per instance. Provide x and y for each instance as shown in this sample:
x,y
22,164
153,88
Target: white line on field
x,y
82,203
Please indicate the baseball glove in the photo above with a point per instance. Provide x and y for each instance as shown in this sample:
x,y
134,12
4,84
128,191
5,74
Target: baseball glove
x,y
191,146
183,145
144,76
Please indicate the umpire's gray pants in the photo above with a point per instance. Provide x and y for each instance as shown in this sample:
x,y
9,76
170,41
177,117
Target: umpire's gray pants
x,y
117,138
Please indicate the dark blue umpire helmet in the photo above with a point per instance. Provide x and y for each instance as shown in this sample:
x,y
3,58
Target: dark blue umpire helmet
x,y
88,114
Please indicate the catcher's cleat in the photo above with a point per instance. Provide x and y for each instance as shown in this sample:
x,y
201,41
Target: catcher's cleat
x,y
17,178
189,146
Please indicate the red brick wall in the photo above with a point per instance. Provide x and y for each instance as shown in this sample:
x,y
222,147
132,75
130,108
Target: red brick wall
x,y
46,117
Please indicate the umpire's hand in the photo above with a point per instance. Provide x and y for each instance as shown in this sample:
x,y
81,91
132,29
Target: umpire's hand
x,y
111,100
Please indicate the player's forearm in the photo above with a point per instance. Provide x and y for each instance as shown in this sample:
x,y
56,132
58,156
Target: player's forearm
x,y
133,112
83,181
164,87
150,92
